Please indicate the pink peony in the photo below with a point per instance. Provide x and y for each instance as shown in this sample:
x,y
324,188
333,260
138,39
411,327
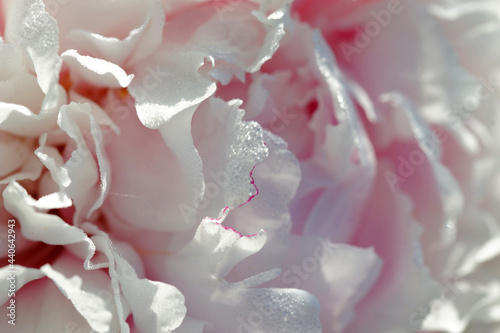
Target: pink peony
x,y
249,166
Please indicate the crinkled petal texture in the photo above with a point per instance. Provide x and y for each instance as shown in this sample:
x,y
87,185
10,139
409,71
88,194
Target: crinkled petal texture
x,y
165,179
387,225
254,182
69,169
122,32
229,147
29,59
103,312
155,306
361,177
79,296
302,90
197,53
432,129
339,275
62,293
199,269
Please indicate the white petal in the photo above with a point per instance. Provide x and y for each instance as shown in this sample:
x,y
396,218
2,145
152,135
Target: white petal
x,y
168,84
87,292
198,268
96,71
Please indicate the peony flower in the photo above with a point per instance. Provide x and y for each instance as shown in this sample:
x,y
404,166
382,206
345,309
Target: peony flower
x,y
248,166
410,146
81,215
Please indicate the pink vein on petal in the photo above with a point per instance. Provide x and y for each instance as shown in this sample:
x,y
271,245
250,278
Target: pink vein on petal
x,y
217,221
255,186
